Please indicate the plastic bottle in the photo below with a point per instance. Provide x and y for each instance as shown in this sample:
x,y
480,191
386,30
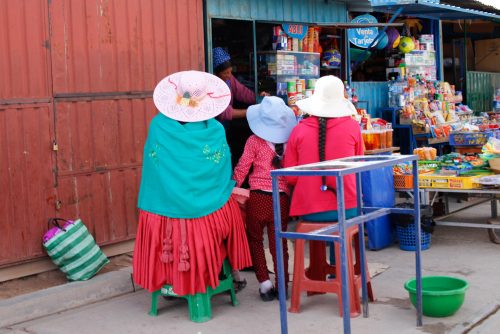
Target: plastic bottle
x,y
348,90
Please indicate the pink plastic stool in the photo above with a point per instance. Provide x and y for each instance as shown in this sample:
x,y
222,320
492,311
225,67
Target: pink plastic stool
x,y
314,278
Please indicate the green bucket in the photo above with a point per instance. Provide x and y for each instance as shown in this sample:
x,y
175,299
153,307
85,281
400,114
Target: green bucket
x,y
442,296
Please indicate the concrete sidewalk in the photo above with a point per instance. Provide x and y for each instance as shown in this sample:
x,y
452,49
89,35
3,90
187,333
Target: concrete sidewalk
x,y
111,306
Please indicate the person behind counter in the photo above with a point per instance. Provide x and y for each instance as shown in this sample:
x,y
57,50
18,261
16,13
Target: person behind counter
x,y
224,70
328,133
189,221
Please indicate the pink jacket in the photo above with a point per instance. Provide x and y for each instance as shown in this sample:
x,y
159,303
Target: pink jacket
x,y
240,93
258,156
343,139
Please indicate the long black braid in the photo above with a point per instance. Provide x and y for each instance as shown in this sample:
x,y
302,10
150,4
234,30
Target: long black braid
x,y
278,148
321,146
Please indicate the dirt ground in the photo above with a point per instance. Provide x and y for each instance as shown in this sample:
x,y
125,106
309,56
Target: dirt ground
x,y
52,278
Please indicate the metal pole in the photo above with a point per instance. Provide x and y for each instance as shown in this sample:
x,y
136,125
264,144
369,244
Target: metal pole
x,y
279,255
362,255
416,220
346,303
255,81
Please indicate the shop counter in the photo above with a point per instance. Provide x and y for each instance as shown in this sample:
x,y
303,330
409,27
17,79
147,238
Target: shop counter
x,y
382,151
339,168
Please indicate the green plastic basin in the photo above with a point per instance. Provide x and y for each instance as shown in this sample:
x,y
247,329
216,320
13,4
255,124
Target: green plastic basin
x,y
442,296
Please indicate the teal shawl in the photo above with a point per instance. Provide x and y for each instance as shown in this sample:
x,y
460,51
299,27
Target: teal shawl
x,y
186,170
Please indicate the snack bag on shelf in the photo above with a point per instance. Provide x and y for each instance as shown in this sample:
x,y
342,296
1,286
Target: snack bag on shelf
x,y
425,153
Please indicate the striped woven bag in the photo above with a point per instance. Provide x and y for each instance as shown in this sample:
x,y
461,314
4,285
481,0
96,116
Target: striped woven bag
x,y
73,250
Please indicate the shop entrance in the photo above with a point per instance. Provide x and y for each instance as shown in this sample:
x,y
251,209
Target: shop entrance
x,y
267,58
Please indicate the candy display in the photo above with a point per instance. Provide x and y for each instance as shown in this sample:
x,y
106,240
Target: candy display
x,y
431,107
453,171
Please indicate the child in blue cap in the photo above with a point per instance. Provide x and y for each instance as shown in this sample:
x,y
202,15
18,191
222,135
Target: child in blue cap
x,y
271,123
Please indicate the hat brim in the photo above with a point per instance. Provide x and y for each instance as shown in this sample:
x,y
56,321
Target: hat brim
x,y
329,109
267,132
165,98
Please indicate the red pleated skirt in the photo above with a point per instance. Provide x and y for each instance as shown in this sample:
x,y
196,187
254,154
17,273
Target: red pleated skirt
x,y
188,253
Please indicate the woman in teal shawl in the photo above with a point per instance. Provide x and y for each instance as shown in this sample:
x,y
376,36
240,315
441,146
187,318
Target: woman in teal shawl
x,y
188,221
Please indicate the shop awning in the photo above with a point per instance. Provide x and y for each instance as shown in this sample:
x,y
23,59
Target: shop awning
x,y
432,10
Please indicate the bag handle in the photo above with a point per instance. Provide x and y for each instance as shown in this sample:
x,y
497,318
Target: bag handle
x,y
55,221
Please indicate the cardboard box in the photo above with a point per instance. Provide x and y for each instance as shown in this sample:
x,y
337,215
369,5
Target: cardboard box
x,y
487,55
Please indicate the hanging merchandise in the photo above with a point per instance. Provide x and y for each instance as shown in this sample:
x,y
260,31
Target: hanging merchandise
x,y
332,57
393,38
382,42
406,44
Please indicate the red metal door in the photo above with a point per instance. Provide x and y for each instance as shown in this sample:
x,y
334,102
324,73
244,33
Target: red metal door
x,y
26,157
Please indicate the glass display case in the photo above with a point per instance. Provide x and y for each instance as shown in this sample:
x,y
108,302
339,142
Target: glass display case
x,y
290,75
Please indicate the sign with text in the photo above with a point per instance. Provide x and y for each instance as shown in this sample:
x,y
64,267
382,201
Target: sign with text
x,y
363,37
295,30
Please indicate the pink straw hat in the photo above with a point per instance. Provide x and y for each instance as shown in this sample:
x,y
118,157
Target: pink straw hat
x,y
191,96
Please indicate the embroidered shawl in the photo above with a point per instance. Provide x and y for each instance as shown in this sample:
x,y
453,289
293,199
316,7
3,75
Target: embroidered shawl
x,y
186,169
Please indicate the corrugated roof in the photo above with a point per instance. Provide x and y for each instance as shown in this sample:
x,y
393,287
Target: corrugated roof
x,y
362,5
444,10
472,4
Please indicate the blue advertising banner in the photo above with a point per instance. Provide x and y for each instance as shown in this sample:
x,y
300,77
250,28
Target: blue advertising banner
x,y
295,30
363,37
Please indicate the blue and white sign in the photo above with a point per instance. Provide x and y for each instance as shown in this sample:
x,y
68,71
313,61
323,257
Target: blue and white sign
x,y
363,37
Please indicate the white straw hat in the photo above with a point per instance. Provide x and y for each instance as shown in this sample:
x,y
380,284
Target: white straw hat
x,y
328,99
191,96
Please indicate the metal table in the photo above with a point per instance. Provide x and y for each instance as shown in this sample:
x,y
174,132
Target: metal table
x,y
490,194
340,168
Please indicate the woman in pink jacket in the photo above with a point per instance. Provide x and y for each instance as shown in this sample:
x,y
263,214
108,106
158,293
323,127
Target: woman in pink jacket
x,y
329,133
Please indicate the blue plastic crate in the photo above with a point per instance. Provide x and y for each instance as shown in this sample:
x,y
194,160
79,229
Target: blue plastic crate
x,y
406,237
470,138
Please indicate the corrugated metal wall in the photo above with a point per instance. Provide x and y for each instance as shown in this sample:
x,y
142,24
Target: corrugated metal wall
x,y
123,45
313,11
375,93
480,89
24,51
85,85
